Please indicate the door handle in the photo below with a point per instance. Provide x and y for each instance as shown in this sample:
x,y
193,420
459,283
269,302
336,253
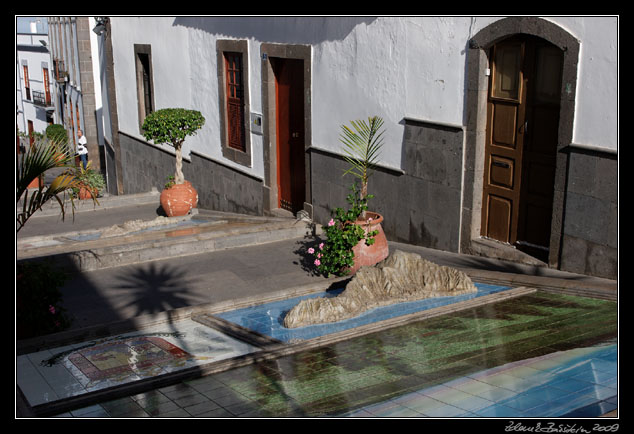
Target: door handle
x,y
501,164
524,127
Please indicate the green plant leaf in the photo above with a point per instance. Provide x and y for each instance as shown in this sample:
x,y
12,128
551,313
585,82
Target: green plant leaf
x,y
362,147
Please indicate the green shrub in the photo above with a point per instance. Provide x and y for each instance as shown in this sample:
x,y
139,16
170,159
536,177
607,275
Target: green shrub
x,y
57,133
38,300
335,256
172,126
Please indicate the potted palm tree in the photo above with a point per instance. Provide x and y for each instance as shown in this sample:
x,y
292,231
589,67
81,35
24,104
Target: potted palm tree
x,y
355,238
362,146
172,126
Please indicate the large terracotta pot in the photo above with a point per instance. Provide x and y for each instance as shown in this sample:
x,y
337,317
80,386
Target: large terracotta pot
x,y
179,199
84,192
365,255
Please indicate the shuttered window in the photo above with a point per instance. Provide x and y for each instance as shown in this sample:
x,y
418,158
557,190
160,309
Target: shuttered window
x,y
144,81
27,83
235,101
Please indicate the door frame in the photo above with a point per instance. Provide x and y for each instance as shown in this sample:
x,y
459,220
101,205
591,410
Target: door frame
x,y
284,51
477,82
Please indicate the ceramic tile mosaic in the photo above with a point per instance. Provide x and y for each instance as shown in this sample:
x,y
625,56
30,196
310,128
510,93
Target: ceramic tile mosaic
x,y
68,371
267,318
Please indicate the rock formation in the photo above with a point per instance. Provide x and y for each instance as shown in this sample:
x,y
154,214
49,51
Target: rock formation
x,y
400,277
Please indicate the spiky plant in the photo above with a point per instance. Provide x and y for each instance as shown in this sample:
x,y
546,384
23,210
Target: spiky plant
x,y
43,155
362,147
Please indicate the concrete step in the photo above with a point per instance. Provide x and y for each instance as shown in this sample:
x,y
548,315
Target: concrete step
x,y
202,232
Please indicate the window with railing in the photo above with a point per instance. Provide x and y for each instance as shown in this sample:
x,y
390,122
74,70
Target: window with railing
x,y
42,99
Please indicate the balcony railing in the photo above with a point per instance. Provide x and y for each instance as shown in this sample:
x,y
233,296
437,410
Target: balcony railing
x,y
41,99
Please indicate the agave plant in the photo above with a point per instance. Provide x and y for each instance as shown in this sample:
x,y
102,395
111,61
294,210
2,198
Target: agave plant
x,y
362,147
42,156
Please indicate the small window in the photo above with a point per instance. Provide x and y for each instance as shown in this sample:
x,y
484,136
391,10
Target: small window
x,y
27,84
144,81
47,88
235,101
507,67
233,93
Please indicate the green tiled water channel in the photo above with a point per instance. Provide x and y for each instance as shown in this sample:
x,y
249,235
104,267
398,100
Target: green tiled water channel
x,y
341,378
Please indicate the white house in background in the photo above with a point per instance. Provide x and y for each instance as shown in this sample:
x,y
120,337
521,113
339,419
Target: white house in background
x,y
501,132
74,54
34,81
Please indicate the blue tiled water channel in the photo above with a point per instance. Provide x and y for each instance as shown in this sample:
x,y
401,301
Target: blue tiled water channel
x,y
268,318
539,355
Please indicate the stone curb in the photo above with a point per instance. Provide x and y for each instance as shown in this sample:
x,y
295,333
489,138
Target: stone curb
x,y
52,208
133,249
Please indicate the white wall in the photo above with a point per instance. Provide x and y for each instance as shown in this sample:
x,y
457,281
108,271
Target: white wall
x,y
394,67
596,113
170,65
27,110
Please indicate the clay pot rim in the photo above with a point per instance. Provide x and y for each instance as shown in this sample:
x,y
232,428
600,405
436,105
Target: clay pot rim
x,y
375,216
185,183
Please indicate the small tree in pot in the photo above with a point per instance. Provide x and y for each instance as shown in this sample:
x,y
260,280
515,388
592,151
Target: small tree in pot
x,y
172,126
362,147
355,238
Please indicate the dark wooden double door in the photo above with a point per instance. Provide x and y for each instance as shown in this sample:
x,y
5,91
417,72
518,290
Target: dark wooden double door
x,y
521,143
290,133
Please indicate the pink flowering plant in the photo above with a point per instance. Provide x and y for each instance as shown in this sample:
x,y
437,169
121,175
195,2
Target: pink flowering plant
x,y
335,255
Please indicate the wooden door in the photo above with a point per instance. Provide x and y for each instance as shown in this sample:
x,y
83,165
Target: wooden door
x,y
540,149
521,142
289,103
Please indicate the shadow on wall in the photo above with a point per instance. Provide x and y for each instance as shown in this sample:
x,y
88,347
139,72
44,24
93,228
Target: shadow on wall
x,y
296,30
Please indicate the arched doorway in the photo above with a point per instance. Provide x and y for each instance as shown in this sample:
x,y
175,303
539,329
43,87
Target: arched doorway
x,y
521,75
521,143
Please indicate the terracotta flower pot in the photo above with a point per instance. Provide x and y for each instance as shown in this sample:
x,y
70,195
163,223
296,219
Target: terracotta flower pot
x,y
179,199
365,255
84,193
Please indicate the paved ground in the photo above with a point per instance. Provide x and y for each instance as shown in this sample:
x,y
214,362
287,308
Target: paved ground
x,y
104,296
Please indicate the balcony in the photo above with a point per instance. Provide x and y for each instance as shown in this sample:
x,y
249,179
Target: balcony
x,y
42,99
61,74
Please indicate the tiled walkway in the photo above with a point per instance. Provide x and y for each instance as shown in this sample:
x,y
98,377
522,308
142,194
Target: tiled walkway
x,y
575,383
541,355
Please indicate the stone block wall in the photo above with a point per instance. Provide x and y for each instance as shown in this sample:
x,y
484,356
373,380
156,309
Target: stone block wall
x,y
420,203
590,224
219,187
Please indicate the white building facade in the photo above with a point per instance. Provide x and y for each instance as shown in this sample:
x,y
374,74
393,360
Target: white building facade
x,y
501,132
74,55
34,83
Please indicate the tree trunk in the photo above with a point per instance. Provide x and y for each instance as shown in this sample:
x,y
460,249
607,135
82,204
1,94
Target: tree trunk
x,y
364,193
178,176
